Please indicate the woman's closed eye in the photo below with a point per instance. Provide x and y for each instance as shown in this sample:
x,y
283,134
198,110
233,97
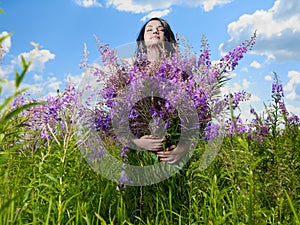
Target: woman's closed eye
x,y
151,29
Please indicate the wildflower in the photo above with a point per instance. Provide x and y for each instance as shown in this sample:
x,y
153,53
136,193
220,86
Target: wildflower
x,y
236,125
96,154
294,119
198,79
234,99
277,89
211,131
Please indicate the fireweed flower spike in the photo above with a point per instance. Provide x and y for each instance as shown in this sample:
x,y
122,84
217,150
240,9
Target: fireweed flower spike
x,y
53,114
231,59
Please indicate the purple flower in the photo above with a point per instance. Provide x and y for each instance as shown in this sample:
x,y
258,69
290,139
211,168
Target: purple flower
x,y
294,119
199,79
229,62
123,178
97,154
234,99
124,150
211,131
236,125
46,135
277,90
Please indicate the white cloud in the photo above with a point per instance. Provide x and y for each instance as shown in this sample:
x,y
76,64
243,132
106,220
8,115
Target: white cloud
x,y
7,89
246,83
74,79
5,70
293,109
130,6
254,98
208,5
53,84
37,77
156,14
49,86
6,44
232,74
245,69
235,86
230,88
278,31
143,6
268,78
255,65
38,57
88,3
293,86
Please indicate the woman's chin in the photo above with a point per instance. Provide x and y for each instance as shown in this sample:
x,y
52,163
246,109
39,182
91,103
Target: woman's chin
x,y
153,42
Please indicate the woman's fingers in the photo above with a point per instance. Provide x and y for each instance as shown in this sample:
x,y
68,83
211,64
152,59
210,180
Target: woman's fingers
x,y
157,146
172,154
149,142
167,152
170,159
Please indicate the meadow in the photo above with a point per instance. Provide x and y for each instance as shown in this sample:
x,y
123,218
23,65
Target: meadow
x,y
44,179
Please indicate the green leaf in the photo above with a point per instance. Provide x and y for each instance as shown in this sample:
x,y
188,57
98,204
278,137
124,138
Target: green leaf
x,y
4,156
2,137
4,37
2,80
25,67
52,178
11,98
6,102
292,207
17,111
5,206
102,221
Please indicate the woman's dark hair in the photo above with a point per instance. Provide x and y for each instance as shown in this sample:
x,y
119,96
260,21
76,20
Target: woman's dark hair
x,y
169,36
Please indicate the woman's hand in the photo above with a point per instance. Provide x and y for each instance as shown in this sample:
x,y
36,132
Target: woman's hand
x,y
172,154
150,143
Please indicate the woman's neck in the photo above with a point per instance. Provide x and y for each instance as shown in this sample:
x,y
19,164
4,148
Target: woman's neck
x,y
154,54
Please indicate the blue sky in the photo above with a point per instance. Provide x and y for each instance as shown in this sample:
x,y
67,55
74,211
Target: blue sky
x,y
61,28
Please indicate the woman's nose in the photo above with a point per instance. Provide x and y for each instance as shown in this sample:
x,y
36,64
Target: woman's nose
x,y
155,31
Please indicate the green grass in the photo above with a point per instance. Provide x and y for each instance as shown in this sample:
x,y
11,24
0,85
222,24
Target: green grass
x,y
247,183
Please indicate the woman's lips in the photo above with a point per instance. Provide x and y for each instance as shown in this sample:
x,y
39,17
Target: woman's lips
x,y
155,37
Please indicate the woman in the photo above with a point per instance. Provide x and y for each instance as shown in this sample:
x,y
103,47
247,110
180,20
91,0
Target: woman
x,y
156,41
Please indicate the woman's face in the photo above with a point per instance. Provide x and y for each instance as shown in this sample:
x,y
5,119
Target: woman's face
x,y
154,32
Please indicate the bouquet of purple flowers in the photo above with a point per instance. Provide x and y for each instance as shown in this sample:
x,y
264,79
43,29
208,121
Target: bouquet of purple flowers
x,y
174,98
